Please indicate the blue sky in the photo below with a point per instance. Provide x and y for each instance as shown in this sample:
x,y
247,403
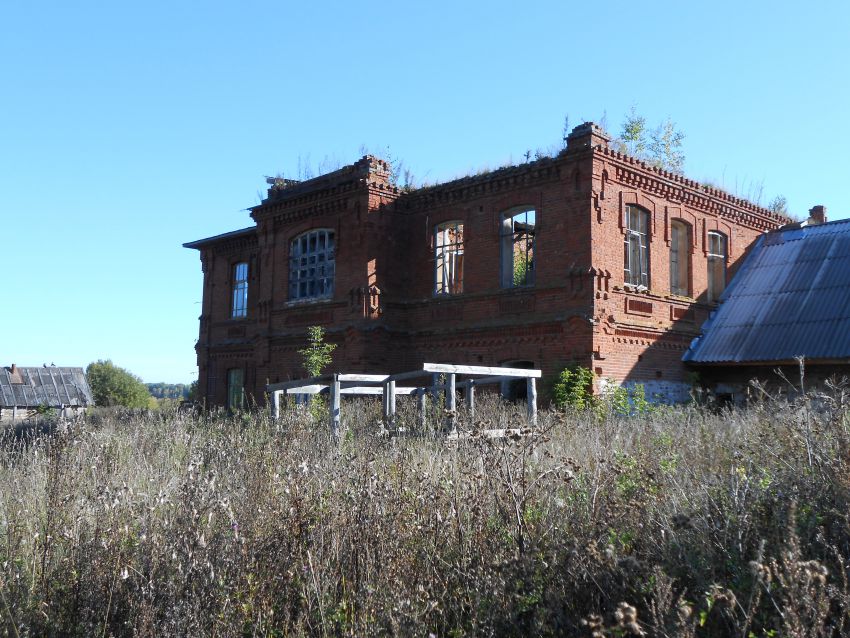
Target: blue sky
x,y
129,129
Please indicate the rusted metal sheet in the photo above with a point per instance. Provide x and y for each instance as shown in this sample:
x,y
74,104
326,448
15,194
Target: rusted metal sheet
x,y
789,299
46,385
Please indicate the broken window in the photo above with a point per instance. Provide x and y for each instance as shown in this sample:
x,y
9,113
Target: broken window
x,y
448,253
518,248
239,307
716,265
636,267
235,389
680,258
312,265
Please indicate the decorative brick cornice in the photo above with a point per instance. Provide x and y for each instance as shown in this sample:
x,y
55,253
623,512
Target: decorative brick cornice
x,y
504,179
235,246
633,172
289,201
281,215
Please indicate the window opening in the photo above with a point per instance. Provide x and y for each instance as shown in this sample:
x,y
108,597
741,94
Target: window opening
x,y
516,389
239,307
518,230
448,247
636,268
717,253
680,251
312,265
235,389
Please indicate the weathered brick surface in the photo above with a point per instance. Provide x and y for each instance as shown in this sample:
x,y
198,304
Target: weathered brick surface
x,y
385,317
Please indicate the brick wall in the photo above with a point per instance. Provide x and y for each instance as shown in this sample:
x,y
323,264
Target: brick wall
x,y
643,333
384,314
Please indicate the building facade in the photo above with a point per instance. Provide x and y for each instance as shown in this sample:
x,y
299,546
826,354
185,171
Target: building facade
x,y
591,257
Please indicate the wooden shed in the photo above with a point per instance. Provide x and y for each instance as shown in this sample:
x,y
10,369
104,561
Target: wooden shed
x,y
25,391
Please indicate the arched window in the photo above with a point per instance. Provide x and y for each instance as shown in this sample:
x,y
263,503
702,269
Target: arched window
x,y
312,265
239,307
636,247
518,248
448,258
717,254
680,258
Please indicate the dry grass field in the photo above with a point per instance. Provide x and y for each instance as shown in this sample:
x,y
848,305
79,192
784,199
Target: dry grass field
x,y
679,522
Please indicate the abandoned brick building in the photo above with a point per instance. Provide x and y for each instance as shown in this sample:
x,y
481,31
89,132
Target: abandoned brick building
x,y
590,257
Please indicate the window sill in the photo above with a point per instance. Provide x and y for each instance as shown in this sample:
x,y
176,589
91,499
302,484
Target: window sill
x,y
312,301
447,295
642,290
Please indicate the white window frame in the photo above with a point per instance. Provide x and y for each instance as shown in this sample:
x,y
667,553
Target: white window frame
x,y
717,256
312,265
636,248
239,298
448,258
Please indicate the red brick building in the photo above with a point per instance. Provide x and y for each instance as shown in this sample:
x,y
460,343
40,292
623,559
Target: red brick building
x,y
590,257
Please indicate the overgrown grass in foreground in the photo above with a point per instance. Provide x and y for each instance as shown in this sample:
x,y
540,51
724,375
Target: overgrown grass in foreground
x,y
681,522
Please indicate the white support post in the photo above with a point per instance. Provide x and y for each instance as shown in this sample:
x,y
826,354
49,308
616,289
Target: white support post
x,y
451,402
420,407
385,402
531,387
276,404
470,397
335,405
391,404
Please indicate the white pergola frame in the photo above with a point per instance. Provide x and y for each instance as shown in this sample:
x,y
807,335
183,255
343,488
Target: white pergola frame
x,y
337,385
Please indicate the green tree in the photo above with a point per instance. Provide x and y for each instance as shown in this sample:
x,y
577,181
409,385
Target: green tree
x,y
661,146
112,385
168,390
665,147
317,355
633,134
574,387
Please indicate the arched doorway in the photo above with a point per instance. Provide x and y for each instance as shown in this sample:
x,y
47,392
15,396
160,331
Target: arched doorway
x,y
516,389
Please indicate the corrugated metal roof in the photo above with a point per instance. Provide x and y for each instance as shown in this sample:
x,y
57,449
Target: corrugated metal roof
x,y
50,385
790,298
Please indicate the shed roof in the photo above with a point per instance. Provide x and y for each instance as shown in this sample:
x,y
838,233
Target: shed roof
x,y
47,385
790,298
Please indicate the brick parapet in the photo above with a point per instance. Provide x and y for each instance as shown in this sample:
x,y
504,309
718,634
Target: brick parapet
x,y
333,193
630,171
544,170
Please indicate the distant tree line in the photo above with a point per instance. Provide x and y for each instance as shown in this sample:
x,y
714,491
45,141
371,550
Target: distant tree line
x,y
169,390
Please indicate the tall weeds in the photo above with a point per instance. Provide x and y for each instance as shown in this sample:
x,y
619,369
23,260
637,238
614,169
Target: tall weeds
x,y
675,523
